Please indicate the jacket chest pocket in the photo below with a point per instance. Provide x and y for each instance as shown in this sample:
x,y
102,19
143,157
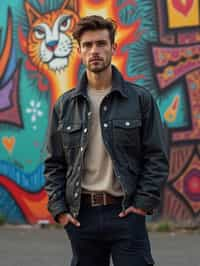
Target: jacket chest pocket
x,y
127,132
71,134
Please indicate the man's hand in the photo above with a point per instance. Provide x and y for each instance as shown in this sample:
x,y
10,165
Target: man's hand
x,y
65,218
132,210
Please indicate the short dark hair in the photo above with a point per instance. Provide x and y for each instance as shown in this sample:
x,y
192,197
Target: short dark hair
x,y
92,23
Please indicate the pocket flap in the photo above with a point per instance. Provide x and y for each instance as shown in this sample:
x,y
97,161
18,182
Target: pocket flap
x,y
127,123
70,127
73,127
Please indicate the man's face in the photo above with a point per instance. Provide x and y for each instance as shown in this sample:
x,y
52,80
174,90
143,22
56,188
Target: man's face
x,y
96,50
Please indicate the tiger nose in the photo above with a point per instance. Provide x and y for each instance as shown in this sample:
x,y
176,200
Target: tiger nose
x,y
52,45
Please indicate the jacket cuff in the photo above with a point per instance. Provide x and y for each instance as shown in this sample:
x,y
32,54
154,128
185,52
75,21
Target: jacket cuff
x,y
57,208
146,202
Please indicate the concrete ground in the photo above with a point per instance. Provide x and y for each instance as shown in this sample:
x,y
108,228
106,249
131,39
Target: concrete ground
x,y
31,246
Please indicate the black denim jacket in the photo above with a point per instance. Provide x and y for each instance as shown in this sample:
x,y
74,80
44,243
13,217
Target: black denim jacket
x,y
132,133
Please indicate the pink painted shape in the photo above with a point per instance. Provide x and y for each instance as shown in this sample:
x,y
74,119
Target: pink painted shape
x,y
183,8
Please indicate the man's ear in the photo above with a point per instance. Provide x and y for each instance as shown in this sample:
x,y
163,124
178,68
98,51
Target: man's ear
x,y
114,48
79,49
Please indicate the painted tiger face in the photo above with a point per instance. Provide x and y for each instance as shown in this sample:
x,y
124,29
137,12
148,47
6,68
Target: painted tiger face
x,y
50,42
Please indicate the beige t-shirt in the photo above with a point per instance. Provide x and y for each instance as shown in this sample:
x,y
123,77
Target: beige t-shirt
x,y
98,169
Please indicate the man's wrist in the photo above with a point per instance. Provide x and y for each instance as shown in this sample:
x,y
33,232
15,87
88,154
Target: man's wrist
x,y
140,211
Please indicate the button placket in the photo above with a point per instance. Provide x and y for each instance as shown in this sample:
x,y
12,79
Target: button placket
x,y
127,123
76,195
105,108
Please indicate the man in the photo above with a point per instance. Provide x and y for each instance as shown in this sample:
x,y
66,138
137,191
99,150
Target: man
x,y
107,160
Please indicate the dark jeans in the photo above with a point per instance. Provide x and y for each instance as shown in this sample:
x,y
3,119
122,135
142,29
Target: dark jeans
x,y
103,234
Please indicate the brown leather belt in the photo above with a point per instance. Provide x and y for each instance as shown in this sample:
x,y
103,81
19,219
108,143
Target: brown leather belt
x,y
95,199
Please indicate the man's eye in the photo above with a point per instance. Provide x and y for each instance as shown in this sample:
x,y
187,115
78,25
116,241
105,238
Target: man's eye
x,y
101,43
87,45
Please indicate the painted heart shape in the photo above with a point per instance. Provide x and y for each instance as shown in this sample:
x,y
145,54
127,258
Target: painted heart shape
x,y
8,143
183,6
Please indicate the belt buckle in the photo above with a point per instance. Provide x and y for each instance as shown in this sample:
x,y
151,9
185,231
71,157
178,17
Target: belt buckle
x,y
94,202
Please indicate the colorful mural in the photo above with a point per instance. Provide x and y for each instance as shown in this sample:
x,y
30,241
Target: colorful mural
x,y
176,63
158,47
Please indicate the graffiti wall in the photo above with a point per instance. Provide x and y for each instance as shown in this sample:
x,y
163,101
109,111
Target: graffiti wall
x,y
158,47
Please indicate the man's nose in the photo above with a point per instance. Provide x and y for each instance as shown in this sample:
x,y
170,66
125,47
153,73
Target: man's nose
x,y
94,49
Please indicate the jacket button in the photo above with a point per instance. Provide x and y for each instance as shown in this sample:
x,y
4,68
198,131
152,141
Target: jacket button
x,y
85,130
89,113
105,108
69,127
105,125
127,123
81,149
77,183
76,195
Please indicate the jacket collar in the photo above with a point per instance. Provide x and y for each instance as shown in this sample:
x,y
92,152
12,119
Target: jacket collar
x,y
118,84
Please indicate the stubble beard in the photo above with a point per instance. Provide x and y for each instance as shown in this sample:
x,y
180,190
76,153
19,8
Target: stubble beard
x,y
99,68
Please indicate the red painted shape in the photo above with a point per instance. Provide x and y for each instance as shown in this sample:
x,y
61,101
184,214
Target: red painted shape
x,y
23,41
194,185
36,75
33,205
41,1
182,7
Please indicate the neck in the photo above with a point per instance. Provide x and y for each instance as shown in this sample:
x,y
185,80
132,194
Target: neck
x,y
101,80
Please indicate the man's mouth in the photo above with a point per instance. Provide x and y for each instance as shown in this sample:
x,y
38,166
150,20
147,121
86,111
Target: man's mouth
x,y
95,60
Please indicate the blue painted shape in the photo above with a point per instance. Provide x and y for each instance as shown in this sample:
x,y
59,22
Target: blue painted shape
x,y
9,209
11,66
31,182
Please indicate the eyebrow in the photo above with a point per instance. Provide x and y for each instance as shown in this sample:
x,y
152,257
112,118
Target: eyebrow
x,y
96,41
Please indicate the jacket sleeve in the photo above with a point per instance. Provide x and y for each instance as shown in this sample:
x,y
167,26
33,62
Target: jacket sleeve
x,y
55,169
154,165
